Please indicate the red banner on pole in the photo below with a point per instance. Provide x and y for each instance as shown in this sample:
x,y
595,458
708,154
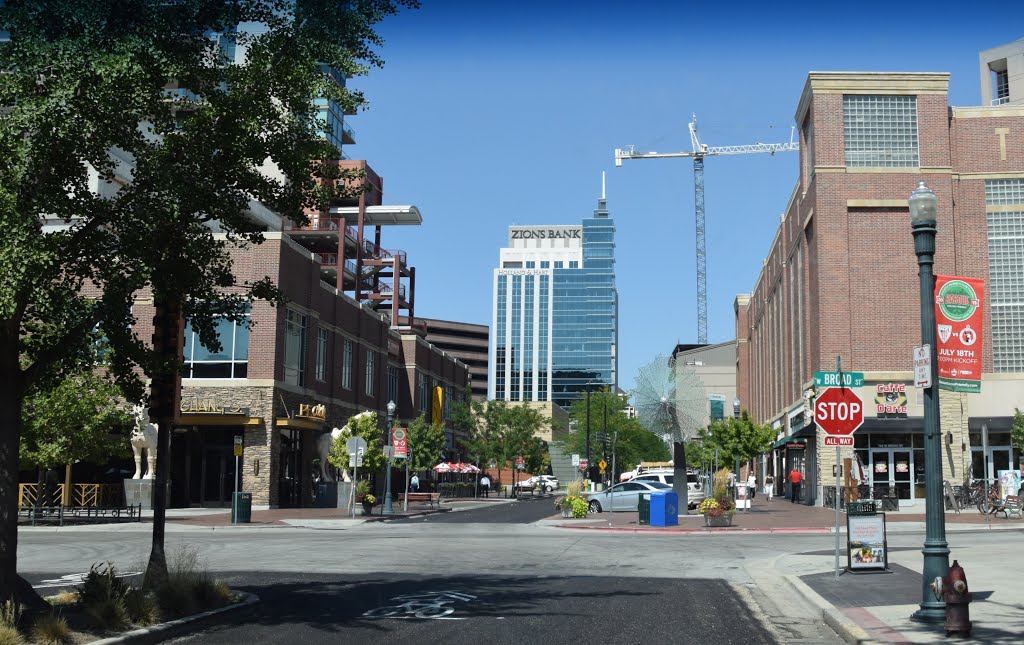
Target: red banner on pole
x,y
958,319
399,441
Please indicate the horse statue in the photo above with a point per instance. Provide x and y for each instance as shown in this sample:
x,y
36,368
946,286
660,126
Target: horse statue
x,y
323,448
143,438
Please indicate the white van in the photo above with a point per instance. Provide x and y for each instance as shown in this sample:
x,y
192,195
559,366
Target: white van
x,y
694,489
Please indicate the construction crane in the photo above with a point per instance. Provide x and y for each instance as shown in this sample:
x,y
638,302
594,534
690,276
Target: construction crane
x,y
701,150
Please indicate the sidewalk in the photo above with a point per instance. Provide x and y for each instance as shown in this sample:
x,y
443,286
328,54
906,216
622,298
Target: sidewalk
x,y
781,516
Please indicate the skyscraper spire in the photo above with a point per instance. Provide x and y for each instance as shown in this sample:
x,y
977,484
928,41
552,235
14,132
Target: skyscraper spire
x,y
602,208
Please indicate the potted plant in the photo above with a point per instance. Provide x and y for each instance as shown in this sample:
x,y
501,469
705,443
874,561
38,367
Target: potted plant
x,y
365,497
573,504
717,511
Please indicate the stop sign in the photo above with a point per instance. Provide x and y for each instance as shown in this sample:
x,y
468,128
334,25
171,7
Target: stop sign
x,y
838,411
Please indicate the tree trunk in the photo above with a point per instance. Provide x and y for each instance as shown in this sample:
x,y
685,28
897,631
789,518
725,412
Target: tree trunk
x,y
679,479
12,585
165,397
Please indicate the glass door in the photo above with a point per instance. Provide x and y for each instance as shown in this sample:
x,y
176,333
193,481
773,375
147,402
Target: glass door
x,y
902,471
881,473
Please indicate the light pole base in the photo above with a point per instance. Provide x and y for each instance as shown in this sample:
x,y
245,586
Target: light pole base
x,y
930,612
388,509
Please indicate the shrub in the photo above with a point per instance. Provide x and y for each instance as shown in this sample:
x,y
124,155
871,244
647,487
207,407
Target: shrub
x,y
211,594
107,614
51,629
10,613
142,608
721,482
101,585
362,489
579,507
188,587
717,506
10,636
573,489
63,599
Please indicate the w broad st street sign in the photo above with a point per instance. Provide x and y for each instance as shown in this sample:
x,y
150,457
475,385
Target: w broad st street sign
x,y
836,379
839,412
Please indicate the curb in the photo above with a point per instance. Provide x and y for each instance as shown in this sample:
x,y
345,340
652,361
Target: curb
x,y
163,631
701,531
848,630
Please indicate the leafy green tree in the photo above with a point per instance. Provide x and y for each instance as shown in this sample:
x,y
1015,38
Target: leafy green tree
x,y
738,438
126,121
500,432
633,445
74,421
365,426
426,443
1017,430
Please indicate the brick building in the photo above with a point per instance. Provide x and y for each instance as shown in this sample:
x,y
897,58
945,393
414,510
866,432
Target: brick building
x,y
840,278
466,342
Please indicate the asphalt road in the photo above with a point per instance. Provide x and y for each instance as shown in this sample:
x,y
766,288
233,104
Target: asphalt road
x,y
486,609
524,511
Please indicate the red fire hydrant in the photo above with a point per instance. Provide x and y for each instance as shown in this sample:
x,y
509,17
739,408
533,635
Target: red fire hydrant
x,y
953,591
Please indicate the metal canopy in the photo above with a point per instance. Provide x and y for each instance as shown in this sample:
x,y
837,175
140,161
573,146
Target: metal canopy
x,y
407,215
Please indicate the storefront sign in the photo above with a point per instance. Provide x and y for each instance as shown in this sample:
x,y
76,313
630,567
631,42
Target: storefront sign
x,y
958,316
865,541
307,411
210,406
891,398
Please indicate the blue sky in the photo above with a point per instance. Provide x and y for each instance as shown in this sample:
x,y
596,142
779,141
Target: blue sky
x,y
488,114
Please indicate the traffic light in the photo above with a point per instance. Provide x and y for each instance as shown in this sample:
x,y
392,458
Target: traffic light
x,y
165,388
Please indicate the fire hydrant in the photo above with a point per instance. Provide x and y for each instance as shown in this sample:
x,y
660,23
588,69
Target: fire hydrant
x,y
953,591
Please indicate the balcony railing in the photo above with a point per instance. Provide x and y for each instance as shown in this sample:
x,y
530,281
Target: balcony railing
x,y
322,224
327,260
1001,100
386,289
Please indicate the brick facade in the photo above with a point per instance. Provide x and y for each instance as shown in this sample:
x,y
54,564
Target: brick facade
x,y
840,277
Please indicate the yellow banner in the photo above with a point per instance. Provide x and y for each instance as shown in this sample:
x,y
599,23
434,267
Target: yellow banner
x,y
437,406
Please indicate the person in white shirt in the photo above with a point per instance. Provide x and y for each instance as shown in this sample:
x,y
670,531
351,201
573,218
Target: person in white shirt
x,y
485,485
752,485
769,486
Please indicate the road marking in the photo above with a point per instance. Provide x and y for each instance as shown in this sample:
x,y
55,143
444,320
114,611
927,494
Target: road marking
x,y
431,605
73,579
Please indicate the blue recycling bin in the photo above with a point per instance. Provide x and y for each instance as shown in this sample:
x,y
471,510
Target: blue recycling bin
x,y
664,508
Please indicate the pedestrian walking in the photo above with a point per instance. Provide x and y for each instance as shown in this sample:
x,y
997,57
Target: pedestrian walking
x,y
794,480
752,485
414,483
485,485
769,486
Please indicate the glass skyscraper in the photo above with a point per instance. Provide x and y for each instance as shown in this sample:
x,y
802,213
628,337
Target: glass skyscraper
x,y
555,312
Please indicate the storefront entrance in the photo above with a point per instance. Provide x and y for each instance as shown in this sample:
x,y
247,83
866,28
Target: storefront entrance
x,y
203,466
892,471
998,458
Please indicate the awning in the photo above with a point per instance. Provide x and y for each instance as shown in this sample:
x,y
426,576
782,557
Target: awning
x,y
405,215
298,423
792,441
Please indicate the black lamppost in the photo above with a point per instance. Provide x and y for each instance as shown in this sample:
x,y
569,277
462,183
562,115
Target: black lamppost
x,y
936,552
387,473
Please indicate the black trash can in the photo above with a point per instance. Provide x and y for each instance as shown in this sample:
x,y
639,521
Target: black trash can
x,y
241,508
644,508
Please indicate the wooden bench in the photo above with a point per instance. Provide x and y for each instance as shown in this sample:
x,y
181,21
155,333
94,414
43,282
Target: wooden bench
x,y
1011,507
430,498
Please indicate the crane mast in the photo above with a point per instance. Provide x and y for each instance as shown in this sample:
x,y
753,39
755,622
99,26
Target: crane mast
x,y
701,150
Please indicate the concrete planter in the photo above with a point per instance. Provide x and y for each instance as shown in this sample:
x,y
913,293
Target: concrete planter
x,y
722,520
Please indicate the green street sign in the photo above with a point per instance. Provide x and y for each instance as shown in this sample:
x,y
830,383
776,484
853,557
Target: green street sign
x,y
831,379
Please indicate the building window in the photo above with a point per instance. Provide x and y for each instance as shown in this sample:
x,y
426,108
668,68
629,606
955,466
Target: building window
x,y
346,364
512,265
545,264
1006,273
500,356
559,264
574,264
423,385
371,373
736,408
1002,85
232,361
530,264
321,354
393,383
295,348
880,131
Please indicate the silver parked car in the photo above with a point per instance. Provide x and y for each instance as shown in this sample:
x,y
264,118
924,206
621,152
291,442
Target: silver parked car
x,y
695,493
622,497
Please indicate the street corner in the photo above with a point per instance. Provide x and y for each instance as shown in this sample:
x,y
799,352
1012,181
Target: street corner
x,y
836,619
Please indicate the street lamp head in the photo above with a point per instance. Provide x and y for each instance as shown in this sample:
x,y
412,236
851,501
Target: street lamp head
x,y
392,407
922,206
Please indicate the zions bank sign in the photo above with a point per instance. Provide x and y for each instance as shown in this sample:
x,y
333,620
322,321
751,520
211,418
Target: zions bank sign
x,y
545,233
